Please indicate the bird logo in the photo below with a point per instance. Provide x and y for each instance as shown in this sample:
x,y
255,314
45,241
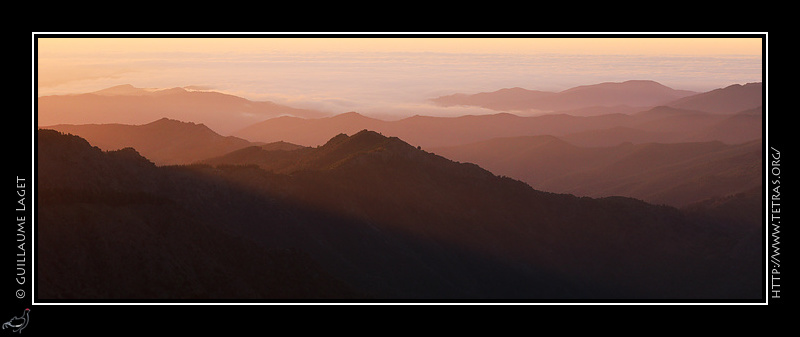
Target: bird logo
x,y
18,323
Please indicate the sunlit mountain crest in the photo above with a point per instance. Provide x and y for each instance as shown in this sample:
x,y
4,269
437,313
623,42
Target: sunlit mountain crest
x,y
130,90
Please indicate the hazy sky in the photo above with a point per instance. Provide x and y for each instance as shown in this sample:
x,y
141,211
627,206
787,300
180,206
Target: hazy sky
x,y
387,74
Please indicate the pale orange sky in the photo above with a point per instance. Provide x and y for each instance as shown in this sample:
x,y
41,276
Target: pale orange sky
x,y
339,73
522,44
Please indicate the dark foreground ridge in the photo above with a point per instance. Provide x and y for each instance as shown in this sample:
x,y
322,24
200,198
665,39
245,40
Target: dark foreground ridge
x,y
363,216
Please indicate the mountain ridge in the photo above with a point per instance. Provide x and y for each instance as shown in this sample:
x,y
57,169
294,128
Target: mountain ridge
x,y
642,93
165,141
340,151
728,100
130,105
434,131
393,222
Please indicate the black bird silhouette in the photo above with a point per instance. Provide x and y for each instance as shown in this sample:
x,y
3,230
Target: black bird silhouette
x,y
18,323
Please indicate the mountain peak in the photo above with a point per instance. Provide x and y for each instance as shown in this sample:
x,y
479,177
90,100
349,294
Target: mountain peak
x,y
647,82
130,90
338,139
170,91
626,85
746,85
362,140
170,121
121,90
349,114
514,89
342,148
368,134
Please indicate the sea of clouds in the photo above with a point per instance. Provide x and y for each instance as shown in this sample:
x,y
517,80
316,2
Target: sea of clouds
x,y
386,84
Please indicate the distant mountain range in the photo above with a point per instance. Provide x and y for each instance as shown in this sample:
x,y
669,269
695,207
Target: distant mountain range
x,y
623,95
631,114
366,216
232,115
126,104
574,166
729,100
663,124
167,142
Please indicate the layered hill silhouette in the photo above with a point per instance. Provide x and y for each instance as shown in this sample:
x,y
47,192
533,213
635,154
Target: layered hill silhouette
x,y
164,141
338,151
670,125
662,124
308,131
619,97
605,114
126,104
729,100
676,174
109,227
365,215
587,168
634,93
604,106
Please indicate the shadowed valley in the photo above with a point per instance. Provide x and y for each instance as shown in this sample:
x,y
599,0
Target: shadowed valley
x,y
363,216
676,174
